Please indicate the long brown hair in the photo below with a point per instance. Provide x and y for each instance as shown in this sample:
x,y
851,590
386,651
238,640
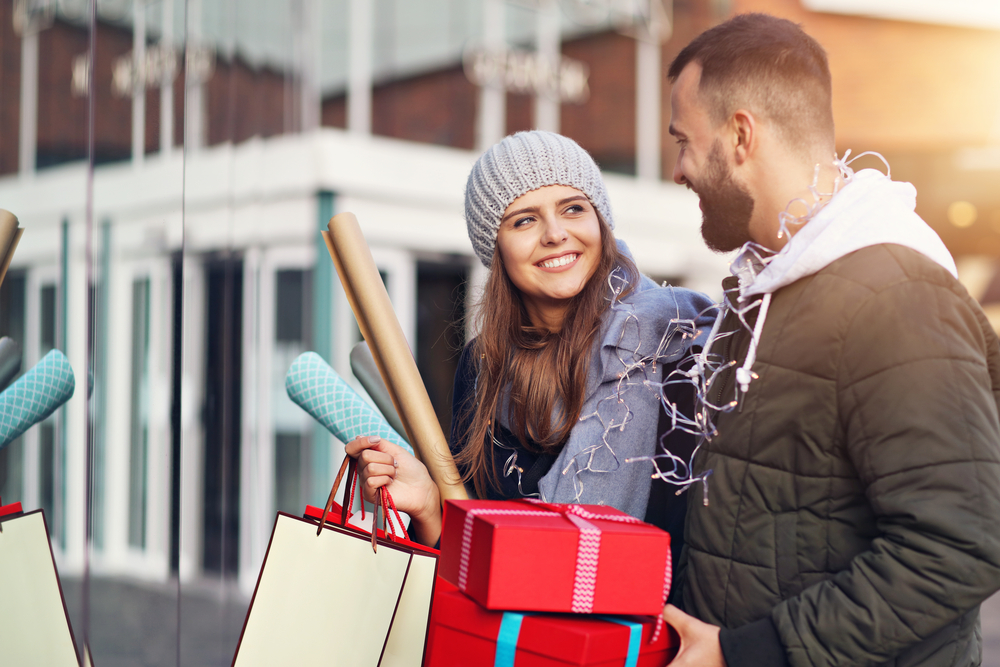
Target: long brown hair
x,y
545,371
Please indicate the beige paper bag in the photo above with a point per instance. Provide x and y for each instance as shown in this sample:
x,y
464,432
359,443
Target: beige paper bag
x,y
34,626
329,600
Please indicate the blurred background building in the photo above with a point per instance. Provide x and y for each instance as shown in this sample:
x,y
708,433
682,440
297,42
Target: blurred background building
x,y
173,161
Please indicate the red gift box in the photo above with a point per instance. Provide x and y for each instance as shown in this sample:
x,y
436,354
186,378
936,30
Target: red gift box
x,y
463,634
562,558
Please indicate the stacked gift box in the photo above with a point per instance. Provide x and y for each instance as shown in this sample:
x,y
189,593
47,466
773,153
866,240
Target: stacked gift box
x,y
527,584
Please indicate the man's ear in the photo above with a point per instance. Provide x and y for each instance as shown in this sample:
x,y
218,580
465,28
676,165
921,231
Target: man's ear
x,y
744,127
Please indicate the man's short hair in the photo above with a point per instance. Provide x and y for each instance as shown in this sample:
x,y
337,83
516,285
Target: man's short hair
x,y
768,66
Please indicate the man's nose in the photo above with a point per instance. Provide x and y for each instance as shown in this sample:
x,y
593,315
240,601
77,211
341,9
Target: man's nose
x,y
679,177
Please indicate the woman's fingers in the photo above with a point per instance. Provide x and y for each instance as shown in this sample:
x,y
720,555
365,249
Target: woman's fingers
x,y
362,443
379,470
376,466
371,484
382,463
371,456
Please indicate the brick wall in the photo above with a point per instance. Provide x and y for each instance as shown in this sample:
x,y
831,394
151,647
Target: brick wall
x,y
10,90
440,107
244,102
900,85
436,108
605,124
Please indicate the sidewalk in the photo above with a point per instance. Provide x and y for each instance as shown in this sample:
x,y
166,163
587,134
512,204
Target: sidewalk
x,y
135,624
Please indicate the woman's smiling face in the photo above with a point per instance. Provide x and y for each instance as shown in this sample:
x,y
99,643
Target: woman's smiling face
x,y
550,243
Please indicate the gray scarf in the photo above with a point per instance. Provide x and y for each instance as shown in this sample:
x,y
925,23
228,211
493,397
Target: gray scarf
x,y
622,406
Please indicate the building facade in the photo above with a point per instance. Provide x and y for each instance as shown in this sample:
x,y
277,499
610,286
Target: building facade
x,y
173,162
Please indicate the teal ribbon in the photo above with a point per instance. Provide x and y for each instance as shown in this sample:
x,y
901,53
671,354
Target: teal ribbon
x,y
634,638
510,630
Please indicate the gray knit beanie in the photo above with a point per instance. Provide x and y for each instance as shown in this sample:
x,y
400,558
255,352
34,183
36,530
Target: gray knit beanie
x,y
521,163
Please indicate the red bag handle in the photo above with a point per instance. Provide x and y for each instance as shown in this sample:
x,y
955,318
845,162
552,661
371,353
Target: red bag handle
x,y
382,497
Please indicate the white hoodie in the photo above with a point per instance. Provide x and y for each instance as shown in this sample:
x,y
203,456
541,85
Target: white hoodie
x,y
870,209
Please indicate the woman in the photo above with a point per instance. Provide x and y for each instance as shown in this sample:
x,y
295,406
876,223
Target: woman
x,y
562,384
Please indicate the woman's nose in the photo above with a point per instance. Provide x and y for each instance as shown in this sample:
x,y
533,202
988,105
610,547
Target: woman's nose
x,y
554,232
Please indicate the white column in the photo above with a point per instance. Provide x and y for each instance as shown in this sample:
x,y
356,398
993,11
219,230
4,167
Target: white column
x,y
478,275
192,431
401,269
647,108
167,85
75,472
491,116
138,82
359,63
256,441
31,493
547,44
118,415
194,100
29,100
158,459
309,38
648,88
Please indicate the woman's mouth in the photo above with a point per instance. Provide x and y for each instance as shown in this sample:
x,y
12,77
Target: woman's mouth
x,y
557,262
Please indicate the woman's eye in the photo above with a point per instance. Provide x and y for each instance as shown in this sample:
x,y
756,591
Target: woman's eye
x,y
575,208
522,221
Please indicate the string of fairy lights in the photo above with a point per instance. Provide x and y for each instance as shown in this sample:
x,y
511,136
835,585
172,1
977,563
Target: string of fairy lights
x,y
703,368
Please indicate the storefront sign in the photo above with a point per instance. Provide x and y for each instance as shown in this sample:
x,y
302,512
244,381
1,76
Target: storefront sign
x,y
528,73
159,68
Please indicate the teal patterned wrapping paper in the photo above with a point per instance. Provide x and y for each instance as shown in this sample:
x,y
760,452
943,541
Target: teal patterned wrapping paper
x,y
35,395
316,388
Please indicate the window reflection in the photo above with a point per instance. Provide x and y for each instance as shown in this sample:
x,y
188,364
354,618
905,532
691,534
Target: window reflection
x,y
12,321
293,463
139,415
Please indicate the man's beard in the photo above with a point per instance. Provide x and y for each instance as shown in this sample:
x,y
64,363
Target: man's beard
x,y
726,205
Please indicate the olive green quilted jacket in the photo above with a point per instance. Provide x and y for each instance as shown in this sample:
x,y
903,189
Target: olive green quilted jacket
x,y
854,503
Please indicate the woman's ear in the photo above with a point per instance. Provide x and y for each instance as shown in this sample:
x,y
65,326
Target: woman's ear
x,y
744,127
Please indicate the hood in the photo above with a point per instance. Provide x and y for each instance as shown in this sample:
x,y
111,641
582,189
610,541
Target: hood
x,y
870,209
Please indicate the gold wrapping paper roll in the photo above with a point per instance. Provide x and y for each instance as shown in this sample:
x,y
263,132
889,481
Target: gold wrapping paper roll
x,y
10,234
366,333
377,320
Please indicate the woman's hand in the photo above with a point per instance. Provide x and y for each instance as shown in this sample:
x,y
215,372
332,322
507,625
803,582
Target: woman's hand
x,y
382,463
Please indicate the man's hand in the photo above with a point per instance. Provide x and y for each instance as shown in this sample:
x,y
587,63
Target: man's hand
x,y
699,641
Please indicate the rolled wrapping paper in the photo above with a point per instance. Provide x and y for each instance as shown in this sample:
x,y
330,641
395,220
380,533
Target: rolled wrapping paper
x,y
377,320
319,390
35,395
10,234
364,368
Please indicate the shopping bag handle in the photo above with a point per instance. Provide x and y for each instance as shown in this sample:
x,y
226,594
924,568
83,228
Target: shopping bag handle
x,y
348,462
382,497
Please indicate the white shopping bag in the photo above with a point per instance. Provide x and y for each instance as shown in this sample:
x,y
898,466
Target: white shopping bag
x,y
326,597
34,626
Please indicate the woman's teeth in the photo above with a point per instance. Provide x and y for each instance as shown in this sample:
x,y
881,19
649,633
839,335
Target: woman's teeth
x,y
560,261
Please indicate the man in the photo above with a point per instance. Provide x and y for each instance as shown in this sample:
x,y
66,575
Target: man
x,y
851,514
